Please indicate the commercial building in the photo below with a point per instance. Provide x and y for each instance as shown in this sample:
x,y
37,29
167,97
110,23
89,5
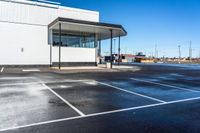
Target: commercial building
x,y
46,33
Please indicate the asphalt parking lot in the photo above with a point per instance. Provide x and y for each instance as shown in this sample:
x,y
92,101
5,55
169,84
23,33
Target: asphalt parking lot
x,y
151,99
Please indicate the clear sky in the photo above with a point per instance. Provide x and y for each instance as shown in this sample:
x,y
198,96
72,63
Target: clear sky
x,y
167,23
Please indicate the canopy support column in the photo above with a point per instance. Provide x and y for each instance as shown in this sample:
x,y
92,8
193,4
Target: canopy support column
x,y
50,55
100,52
59,63
111,42
119,49
50,46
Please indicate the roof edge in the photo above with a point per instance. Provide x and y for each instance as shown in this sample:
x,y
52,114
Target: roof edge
x,y
61,19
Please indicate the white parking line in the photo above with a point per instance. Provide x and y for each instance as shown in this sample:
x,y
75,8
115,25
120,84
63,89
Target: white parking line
x,y
131,92
2,69
40,82
44,83
40,123
165,85
30,70
65,101
15,84
16,78
97,114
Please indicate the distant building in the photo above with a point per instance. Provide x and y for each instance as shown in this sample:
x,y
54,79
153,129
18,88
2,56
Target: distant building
x,y
140,57
127,58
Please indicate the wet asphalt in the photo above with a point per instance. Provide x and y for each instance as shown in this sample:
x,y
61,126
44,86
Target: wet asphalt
x,y
27,101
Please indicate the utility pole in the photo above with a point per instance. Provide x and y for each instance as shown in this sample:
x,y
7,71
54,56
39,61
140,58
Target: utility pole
x,y
179,51
163,56
125,50
190,51
199,54
155,51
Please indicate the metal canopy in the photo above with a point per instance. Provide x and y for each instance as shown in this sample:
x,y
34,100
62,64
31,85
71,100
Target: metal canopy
x,y
102,30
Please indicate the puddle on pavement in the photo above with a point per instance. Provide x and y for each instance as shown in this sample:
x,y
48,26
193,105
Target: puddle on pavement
x,y
57,102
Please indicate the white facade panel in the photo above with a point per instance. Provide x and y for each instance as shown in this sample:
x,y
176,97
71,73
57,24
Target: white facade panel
x,y
78,14
34,14
24,34
23,44
22,13
74,54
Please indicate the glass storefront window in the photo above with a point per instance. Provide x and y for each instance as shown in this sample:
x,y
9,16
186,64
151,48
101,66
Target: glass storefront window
x,y
72,39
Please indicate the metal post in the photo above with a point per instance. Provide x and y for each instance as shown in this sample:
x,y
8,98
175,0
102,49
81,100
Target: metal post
x,y
114,46
111,41
119,50
100,51
50,45
50,55
94,40
59,45
99,47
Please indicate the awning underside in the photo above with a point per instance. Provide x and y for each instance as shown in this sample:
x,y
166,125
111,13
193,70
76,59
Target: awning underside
x,y
103,30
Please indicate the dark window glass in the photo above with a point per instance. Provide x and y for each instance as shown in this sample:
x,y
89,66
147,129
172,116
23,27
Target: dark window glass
x,y
73,39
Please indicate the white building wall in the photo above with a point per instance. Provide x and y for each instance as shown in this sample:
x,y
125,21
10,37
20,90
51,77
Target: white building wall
x,y
35,14
24,26
32,39
74,54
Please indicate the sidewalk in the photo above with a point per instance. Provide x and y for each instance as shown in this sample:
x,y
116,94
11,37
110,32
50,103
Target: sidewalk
x,y
116,68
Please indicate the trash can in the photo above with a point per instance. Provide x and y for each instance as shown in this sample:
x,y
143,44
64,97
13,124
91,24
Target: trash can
x,y
108,65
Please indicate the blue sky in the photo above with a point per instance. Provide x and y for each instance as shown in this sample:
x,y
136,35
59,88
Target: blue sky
x,y
167,23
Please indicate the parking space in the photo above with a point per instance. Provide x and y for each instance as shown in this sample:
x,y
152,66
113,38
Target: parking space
x,y
163,92
169,118
27,104
179,80
96,102
4,81
92,97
